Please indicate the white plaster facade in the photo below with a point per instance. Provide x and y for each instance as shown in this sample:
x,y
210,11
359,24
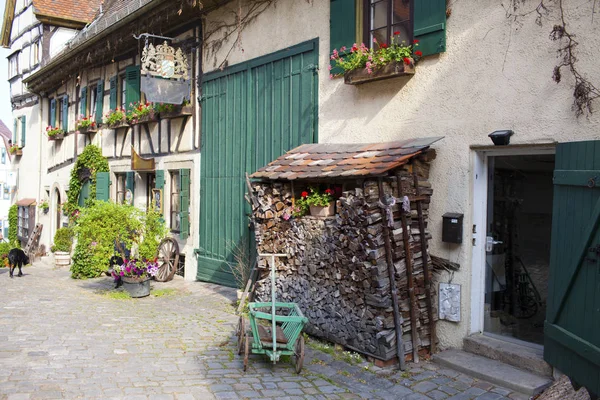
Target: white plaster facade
x,y
495,74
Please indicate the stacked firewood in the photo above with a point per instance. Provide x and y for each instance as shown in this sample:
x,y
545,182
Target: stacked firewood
x,y
336,269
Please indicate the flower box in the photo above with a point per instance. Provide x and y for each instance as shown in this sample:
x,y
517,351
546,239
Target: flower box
x,y
392,70
144,119
179,111
59,136
327,211
87,130
117,125
18,152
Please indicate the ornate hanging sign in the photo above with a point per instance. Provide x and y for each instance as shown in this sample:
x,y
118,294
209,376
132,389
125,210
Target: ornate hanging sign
x,y
164,61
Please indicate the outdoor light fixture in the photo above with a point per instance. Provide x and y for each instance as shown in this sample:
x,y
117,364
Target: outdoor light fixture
x,y
501,138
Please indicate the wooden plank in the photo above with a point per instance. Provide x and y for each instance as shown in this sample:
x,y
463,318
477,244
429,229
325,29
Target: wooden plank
x,y
587,178
575,343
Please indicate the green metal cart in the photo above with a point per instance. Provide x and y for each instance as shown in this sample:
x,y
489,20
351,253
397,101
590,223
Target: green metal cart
x,y
283,336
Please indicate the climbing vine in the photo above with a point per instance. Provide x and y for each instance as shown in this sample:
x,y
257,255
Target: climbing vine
x,y
584,91
92,161
13,221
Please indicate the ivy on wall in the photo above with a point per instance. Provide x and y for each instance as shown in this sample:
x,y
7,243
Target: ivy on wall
x,y
89,162
12,225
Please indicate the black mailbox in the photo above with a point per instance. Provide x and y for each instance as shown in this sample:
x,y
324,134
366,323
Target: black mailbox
x,y
452,230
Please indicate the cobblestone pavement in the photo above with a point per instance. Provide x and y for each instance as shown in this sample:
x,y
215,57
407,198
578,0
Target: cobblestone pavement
x,y
67,339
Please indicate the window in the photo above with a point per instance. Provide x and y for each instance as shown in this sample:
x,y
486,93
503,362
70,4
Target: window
x,y
174,223
123,92
23,222
6,192
120,197
13,66
36,53
150,183
93,90
3,155
59,113
385,17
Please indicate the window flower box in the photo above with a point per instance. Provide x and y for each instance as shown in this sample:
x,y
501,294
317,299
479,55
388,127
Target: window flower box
x,y
86,125
55,133
16,150
88,130
115,119
143,119
392,70
176,112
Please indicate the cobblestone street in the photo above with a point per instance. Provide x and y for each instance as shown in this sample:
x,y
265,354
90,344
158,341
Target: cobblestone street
x,y
67,339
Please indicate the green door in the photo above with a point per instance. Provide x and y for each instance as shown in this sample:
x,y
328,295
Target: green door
x,y
251,114
572,328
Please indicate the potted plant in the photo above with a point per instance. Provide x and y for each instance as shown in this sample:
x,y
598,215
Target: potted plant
x,y
63,240
319,204
86,125
115,118
14,149
362,64
44,206
135,276
170,111
141,113
54,133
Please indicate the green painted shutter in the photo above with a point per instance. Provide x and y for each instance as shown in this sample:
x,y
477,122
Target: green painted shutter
x,y
342,26
184,201
83,102
14,135
430,26
84,194
132,88
102,186
23,130
65,113
113,93
159,182
99,101
130,181
53,113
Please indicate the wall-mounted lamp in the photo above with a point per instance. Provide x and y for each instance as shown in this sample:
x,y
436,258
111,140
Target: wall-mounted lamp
x,y
501,138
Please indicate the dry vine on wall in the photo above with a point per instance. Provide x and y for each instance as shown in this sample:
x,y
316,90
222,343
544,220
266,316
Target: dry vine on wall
x,y
584,91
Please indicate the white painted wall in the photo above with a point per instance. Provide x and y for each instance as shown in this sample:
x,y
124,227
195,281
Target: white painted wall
x,y
495,74
59,39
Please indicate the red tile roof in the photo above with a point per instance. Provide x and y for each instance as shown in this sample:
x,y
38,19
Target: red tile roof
x,y
324,160
74,10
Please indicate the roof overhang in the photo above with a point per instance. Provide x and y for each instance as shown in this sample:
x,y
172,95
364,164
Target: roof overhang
x,y
9,15
59,21
25,202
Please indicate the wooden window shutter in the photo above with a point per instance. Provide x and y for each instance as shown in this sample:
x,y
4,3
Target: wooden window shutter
x,y
83,103
342,26
430,26
159,182
113,93
102,186
130,181
184,201
65,113
99,101
23,130
132,88
53,113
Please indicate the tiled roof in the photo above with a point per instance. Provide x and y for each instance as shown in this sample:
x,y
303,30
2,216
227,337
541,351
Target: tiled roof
x,y
25,202
324,160
74,10
4,131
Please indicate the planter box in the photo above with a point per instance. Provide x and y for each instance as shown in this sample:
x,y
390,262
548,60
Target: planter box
x,y
62,259
136,287
87,130
391,70
60,136
180,111
120,124
327,211
146,119
18,152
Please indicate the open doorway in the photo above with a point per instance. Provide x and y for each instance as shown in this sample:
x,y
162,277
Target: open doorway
x,y
519,221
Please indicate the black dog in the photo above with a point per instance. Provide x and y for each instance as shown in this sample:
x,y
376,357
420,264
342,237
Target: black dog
x,y
115,260
17,258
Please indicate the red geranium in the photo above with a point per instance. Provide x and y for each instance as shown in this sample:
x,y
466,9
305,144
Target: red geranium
x,y
304,194
416,41
329,191
383,46
397,33
406,60
418,53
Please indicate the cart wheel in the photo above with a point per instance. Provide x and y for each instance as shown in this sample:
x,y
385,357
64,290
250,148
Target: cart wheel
x,y
299,350
241,334
168,259
246,351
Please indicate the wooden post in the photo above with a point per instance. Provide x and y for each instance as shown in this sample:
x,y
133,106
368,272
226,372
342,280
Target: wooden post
x,y
409,274
425,266
393,290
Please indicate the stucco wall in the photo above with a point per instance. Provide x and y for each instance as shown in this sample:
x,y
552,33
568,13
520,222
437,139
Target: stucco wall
x,y
495,74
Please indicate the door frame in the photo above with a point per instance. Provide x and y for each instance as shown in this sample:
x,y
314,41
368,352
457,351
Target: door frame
x,y
480,160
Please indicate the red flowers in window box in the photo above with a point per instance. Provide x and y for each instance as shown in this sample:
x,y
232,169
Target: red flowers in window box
x,y
304,194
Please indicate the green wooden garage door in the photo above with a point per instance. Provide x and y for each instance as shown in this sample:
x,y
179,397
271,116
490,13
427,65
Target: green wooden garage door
x,y
572,328
251,114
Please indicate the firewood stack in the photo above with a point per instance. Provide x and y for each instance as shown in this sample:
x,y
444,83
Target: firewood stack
x,y
336,270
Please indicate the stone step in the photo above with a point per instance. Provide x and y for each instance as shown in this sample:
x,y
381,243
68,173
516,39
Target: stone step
x,y
527,357
493,371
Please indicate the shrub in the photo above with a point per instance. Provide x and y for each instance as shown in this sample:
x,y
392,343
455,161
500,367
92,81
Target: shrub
x,y
12,226
154,230
63,240
4,249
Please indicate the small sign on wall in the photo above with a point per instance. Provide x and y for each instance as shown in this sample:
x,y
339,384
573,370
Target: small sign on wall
x,y
449,302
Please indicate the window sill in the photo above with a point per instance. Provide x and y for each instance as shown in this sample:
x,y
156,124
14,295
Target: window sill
x,y
392,70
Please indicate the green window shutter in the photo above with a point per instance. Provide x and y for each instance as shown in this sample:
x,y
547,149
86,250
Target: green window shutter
x,y
184,201
159,183
23,130
342,26
14,136
65,113
102,186
430,26
99,101
83,102
130,181
132,82
113,93
53,113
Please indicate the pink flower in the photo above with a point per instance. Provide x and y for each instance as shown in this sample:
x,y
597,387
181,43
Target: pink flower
x,y
329,67
330,76
374,40
343,48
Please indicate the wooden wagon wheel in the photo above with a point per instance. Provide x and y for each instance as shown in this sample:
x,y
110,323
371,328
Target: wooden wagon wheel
x,y
241,334
299,350
246,351
168,259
